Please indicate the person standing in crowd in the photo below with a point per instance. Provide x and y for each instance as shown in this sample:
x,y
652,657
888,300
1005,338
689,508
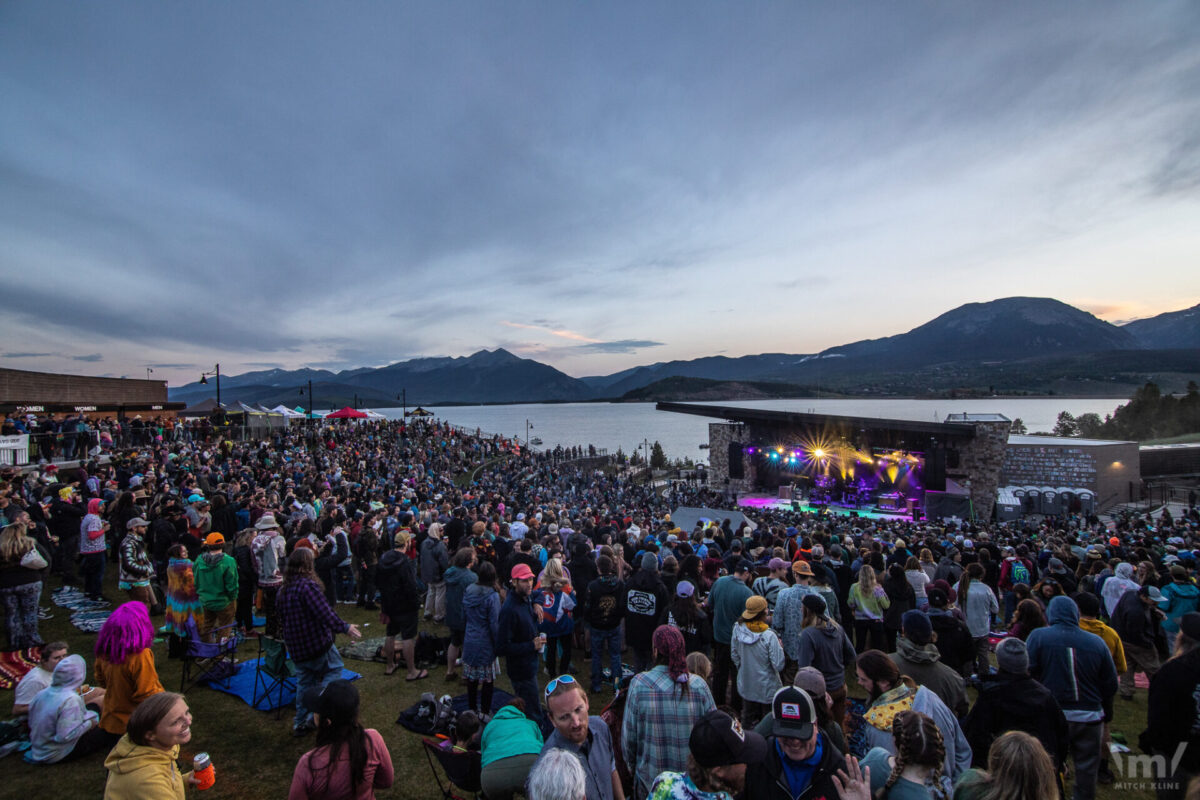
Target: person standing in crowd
x,y
1016,569
1078,669
687,615
720,752
605,610
1017,767
309,626
868,600
66,515
758,656
1012,700
519,641
584,736
645,609
662,706
980,606
349,761
825,645
1181,596
916,765
136,568
458,578
269,552
799,761
901,599
481,615
1137,620
92,549
1115,587
400,601
217,586
952,637
247,583
124,666
917,657
557,601
434,562
770,585
890,693
727,601
1173,711
22,564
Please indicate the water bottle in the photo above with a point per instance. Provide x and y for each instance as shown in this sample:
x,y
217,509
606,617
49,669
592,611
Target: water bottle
x,y
203,771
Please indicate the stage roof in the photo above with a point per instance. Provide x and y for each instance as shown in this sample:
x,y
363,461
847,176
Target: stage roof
x,y
792,419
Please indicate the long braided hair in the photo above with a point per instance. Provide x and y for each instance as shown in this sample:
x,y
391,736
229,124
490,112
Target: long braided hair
x,y
918,742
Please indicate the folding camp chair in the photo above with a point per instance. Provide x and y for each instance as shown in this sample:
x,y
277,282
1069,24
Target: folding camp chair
x,y
462,769
214,662
273,673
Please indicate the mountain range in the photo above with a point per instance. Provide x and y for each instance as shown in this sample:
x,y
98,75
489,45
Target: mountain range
x,y
1012,345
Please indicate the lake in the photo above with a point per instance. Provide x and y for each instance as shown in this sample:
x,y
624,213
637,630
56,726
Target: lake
x,y
626,425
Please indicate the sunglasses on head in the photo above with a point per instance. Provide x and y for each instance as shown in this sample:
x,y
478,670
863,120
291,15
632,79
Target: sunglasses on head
x,y
561,680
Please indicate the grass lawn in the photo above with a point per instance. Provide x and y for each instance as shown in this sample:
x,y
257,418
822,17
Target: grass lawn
x,y
254,753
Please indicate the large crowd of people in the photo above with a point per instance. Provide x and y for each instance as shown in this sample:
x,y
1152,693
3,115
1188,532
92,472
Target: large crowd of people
x,y
739,641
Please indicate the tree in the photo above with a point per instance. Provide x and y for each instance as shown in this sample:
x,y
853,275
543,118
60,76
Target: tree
x,y
1090,426
658,459
1066,425
1018,427
635,459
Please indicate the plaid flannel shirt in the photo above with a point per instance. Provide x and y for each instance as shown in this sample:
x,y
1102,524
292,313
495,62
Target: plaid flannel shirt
x,y
658,723
309,624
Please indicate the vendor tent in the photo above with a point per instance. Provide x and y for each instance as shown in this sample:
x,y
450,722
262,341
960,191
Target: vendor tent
x,y
204,408
346,413
287,412
420,412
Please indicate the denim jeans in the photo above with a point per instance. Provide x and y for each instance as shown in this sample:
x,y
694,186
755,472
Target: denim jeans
x,y
1086,738
601,639
317,671
528,691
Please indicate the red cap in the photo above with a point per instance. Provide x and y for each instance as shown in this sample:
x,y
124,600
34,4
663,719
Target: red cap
x,y
1115,542
522,572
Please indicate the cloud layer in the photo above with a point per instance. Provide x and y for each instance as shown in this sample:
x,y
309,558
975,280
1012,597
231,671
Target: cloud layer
x,y
267,184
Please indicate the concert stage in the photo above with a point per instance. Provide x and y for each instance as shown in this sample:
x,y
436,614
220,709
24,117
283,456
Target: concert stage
x,y
833,509
875,468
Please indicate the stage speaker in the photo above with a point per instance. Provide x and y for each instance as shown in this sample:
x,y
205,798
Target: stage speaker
x,y
736,467
935,469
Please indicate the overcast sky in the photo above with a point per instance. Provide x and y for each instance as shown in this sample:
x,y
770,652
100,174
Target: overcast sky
x,y
595,185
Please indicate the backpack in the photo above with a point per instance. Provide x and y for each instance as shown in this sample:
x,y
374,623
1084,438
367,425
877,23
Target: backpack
x,y
268,561
1020,572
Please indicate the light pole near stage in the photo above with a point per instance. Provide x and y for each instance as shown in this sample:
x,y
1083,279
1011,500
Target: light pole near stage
x,y
204,380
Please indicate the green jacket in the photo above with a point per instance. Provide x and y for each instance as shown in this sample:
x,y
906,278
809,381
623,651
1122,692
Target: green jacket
x,y
216,581
510,733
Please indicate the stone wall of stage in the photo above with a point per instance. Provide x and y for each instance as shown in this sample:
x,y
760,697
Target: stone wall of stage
x,y
20,387
980,462
720,435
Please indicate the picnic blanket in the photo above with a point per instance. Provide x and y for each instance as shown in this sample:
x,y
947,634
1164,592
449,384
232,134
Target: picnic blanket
x,y
87,615
241,684
15,663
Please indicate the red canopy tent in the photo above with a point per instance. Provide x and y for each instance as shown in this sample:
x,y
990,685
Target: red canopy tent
x,y
346,413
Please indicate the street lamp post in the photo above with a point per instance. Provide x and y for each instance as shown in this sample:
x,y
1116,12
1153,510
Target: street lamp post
x,y
148,371
204,380
310,400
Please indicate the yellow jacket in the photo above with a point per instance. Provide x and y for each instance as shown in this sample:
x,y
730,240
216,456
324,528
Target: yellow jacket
x,y
1110,638
139,772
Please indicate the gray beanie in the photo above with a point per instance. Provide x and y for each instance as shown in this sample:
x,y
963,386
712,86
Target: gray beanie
x,y
650,562
1012,657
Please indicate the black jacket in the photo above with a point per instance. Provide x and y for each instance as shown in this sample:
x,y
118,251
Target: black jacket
x,y
766,781
645,607
397,581
954,640
1171,715
1015,702
605,602
1133,621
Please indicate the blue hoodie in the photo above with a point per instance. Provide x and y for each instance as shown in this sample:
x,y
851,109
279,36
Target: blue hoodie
x,y
1076,666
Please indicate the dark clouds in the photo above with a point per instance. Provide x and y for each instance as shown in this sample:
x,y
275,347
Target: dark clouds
x,y
272,184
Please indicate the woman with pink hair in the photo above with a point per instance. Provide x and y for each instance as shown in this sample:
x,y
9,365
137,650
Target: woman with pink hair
x,y
125,665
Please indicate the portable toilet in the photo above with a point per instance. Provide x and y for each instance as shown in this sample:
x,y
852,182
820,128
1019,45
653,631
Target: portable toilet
x,y
1049,500
1033,500
1087,501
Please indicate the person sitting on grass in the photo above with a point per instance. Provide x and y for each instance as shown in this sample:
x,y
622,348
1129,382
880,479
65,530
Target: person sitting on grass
x,y
61,727
349,760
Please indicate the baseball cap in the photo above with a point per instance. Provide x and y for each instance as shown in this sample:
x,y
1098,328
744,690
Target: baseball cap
x,y
136,522
802,568
214,538
745,565
776,563
718,740
522,572
755,604
814,603
794,713
684,589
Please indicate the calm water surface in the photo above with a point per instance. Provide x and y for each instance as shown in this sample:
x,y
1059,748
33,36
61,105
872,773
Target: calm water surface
x,y
626,425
